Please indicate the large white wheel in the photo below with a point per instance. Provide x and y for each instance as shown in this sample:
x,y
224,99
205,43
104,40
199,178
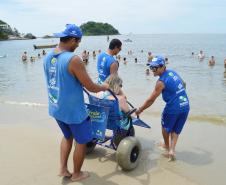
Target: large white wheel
x,y
128,153
121,134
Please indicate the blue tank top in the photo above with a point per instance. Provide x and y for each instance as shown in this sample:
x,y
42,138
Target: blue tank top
x,y
174,93
65,92
104,62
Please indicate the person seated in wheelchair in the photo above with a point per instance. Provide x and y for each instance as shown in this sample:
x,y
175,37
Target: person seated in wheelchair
x,y
115,85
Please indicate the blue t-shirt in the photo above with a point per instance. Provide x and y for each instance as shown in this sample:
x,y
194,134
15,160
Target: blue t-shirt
x,y
104,62
174,93
65,92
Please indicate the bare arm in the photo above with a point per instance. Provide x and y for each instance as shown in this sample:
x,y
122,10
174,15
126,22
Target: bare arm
x,y
77,68
114,68
123,103
157,91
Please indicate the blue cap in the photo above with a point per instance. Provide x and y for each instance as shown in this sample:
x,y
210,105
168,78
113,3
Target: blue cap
x,y
71,30
156,62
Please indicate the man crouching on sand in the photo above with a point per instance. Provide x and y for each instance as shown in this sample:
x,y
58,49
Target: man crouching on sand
x,y
65,77
177,106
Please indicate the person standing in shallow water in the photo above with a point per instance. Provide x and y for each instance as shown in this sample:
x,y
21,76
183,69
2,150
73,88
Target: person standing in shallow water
x,y
150,56
24,56
147,72
135,60
201,55
224,68
65,78
106,63
43,52
212,61
175,113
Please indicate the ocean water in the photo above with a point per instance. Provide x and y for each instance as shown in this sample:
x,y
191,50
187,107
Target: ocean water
x,y
23,84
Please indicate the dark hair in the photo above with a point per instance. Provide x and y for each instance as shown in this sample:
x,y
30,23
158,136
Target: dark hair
x,y
115,43
67,38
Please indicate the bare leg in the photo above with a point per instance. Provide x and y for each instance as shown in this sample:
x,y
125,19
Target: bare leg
x,y
166,138
174,138
165,145
65,149
78,158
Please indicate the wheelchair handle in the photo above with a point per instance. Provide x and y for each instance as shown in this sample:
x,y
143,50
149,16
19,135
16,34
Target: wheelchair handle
x,y
131,112
130,104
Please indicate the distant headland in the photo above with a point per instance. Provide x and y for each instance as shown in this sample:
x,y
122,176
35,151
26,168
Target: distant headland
x,y
88,29
8,33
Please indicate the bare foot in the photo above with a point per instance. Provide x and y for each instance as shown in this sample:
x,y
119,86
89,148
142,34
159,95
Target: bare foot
x,y
80,176
65,174
166,155
171,157
162,146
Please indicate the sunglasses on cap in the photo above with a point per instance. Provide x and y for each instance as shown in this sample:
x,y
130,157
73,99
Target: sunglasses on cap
x,y
154,69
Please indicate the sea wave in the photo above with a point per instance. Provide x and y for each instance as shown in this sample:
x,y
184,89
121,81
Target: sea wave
x,y
30,104
213,119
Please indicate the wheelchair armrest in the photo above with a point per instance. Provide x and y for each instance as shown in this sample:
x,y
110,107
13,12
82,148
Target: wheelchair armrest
x,y
131,112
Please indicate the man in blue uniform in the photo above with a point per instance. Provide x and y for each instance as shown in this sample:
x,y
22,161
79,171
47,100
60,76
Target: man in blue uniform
x,y
177,106
106,63
65,78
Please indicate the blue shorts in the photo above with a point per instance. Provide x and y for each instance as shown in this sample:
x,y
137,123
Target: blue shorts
x,y
82,133
174,122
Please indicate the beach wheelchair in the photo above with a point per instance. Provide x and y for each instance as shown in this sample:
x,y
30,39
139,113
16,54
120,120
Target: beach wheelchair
x,y
105,115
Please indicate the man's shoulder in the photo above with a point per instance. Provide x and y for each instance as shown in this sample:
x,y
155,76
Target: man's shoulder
x,y
75,64
48,56
171,72
101,55
75,59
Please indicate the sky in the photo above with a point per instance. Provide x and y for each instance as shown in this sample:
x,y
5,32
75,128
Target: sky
x,y
42,17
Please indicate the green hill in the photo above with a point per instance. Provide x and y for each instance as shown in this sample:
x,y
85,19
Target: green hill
x,y
6,31
98,28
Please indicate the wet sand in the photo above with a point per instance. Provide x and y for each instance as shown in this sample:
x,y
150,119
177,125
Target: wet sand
x,y
29,154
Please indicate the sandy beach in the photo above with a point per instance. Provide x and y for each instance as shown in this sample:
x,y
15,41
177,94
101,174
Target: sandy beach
x,y
29,150
129,34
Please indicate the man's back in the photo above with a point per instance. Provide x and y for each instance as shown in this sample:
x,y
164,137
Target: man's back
x,y
104,62
66,101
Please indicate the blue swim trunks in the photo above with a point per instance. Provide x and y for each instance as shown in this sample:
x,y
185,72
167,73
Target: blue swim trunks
x,y
82,133
174,122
